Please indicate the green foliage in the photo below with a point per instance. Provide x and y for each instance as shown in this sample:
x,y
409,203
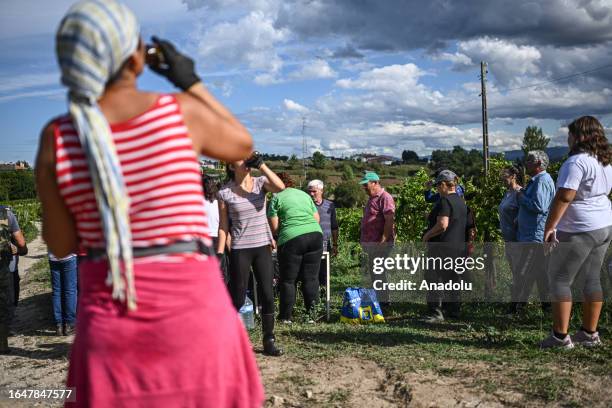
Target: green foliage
x,y
349,224
347,172
534,139
273,157
554,167
349,194
28,213
376,167
411,208
485,196
465,163
17,185
318,160
293,161
409,156
316,174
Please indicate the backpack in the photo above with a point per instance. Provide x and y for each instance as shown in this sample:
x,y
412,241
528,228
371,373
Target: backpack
x,y
360,306
5,237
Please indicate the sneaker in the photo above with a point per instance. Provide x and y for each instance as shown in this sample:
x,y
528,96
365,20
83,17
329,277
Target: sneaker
x,y
551,341
585,339
433,316
286,321
311,317
69,329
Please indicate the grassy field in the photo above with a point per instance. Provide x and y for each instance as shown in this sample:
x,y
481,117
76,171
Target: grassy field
x,y
485,349
332,173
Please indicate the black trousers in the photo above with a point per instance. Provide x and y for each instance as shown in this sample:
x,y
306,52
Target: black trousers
x,y
299,257
241,260
16,287
323,268
444,300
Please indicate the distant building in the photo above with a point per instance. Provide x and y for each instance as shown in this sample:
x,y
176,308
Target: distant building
x,y
385,160
209,164
19,165
373,158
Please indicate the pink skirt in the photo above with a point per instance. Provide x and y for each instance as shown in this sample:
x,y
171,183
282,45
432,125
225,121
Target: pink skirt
x,y
184,347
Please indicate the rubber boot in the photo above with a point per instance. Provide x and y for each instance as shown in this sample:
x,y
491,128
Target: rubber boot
x,y
4,348
269,341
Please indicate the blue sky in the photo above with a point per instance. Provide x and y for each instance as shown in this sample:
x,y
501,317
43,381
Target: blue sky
x,y
367,76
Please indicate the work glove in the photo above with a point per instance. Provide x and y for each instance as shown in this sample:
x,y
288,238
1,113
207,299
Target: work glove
x,y
177,68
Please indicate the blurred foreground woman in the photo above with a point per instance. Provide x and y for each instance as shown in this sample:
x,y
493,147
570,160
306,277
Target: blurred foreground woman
x,y
119,177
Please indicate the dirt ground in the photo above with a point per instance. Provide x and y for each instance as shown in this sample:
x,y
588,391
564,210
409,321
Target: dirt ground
x,y
39,360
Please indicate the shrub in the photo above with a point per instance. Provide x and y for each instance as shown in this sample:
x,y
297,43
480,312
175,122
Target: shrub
x,y
349,194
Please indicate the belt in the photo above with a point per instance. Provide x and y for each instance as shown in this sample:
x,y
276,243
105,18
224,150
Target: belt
x,y
180,247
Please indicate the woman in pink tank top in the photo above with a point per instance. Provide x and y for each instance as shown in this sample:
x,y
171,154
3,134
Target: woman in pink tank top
x,y
119,177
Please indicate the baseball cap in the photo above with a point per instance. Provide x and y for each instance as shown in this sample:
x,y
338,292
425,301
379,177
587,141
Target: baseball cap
x,y
445,175
369,176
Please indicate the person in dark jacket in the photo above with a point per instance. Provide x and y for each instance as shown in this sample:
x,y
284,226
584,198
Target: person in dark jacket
x,y
446,237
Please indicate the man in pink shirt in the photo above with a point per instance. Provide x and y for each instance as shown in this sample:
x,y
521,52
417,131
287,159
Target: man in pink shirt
x,y
377,224
377,227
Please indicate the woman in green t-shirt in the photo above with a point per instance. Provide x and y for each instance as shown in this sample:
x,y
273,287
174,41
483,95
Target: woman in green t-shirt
x,y
294,217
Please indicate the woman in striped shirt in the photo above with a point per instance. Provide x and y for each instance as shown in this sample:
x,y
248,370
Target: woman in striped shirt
x,y
242,200
119,177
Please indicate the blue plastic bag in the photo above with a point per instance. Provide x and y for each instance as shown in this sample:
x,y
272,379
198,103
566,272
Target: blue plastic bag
x,y
360,306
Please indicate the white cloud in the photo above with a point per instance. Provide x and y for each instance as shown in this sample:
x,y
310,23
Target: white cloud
x,y
251,41
316,69
294,106
24,81
393,110
458,59
267,79
390,78
505,59
51,93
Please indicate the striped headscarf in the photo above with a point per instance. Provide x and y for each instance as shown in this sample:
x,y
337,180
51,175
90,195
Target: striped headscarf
x,y
93,41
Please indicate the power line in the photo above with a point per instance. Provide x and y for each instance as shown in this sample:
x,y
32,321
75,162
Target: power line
x,y
551,81
460,101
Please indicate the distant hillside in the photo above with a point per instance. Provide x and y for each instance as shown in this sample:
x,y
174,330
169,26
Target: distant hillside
x,y
554,153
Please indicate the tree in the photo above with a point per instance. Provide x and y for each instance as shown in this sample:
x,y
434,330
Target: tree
x,y
534,139
409,156
293,161
17,185
463,162
347,172
315,175
349,194
318,160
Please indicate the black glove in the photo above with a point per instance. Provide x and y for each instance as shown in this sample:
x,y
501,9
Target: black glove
x,y
255,161
180,69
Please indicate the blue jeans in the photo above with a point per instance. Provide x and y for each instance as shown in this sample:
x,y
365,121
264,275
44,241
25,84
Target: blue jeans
x,y
64,290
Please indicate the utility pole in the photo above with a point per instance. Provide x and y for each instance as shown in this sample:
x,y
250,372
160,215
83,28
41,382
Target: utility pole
x,y
489,249
304,147
485,119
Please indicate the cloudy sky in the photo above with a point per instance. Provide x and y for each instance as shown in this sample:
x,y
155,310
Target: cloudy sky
x,y
366,76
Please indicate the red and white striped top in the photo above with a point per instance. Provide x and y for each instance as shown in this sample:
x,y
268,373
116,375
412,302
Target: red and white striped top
x,y
161,172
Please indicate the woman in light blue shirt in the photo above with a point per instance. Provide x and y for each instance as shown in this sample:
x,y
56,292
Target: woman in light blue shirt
x,y
508,210
509,206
